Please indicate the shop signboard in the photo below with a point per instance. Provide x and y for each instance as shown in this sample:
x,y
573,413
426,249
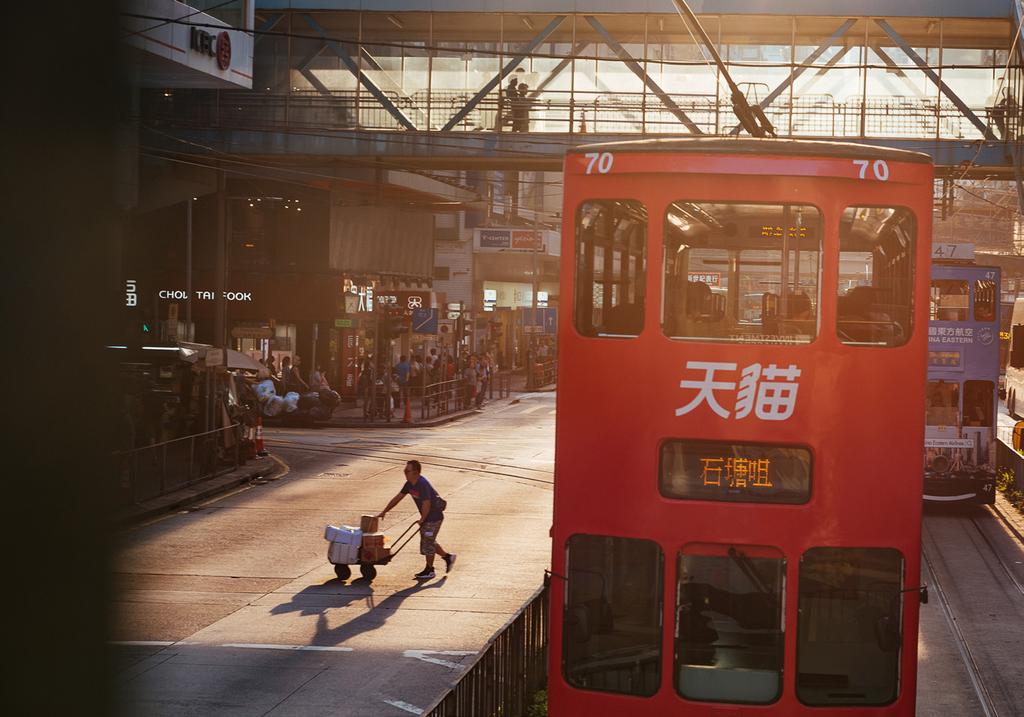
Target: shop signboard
x,y
539,321
215,357
497,239
344,323
405,300
424,321
349,359
252,332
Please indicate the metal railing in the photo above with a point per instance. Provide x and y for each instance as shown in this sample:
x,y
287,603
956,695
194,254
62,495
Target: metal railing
x,y
575,112
542,373
444,397
510,668
502,380
152,471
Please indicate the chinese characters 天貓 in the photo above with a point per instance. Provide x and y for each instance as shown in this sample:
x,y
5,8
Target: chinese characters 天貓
x,y
769,392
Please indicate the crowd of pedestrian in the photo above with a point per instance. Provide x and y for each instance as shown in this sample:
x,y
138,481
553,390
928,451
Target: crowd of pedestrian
x,y
291,374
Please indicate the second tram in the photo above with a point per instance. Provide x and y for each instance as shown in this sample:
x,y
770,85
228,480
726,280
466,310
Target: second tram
x,y
963,382
738,450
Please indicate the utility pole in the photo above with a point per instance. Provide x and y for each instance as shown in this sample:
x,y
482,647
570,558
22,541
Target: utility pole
x,y
220,271
189,334
752,118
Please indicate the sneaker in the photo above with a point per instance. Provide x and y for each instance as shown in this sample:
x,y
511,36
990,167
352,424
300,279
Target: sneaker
x,y
449,561
424,574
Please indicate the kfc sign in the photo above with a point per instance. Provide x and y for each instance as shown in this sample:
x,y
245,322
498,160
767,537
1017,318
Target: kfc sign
x,y
216,46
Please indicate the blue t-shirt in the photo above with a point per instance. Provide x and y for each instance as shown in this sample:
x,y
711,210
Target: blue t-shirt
x,y
420,491
403,370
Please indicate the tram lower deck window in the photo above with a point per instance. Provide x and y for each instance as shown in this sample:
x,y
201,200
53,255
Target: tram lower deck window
x,y
734,472
850,626
612,619
745,273
729,625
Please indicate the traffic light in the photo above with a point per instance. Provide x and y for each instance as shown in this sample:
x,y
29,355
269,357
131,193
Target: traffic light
x,y
399,325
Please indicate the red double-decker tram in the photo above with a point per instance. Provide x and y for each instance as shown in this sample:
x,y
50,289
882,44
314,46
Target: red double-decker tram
x,y
741,384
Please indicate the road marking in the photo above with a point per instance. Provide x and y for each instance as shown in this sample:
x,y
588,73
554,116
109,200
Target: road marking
x,y
531,409
405,706
422,655
310,648
143,643
552,412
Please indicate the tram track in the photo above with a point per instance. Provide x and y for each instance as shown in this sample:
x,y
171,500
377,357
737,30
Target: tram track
x,y
977,590
529,475
974,672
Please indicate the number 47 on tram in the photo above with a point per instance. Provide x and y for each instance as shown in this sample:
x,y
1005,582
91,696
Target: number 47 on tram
x,y
741,385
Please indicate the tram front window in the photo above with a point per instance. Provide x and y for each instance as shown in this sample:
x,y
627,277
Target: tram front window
x,y
942,403
979,400
729,630
949,300
744,273
849,630
612,619
876,276
985,297
611,267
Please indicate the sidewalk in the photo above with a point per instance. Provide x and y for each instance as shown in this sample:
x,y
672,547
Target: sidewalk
x,y
351,416
254,469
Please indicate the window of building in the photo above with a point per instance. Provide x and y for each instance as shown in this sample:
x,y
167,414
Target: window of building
x,y
942,403
985,298
742,272
979,403
849,630
876,276
729,623
611,267
612,620
735,472
948,300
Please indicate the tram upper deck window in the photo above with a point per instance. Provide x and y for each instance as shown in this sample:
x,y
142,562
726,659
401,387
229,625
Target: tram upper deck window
x,y
948,300
849,627
612,619
744,273
876,276
611,267
729,627
985,298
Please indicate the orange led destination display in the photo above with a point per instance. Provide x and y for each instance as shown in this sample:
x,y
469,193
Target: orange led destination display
x,y
735,472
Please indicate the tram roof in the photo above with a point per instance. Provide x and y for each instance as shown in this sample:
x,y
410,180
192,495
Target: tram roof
x,y
754,145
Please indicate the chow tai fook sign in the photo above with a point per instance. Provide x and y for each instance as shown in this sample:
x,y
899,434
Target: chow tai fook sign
x,y
495,239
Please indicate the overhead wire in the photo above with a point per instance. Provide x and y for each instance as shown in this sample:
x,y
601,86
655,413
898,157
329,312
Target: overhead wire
x,y
475,50
176,20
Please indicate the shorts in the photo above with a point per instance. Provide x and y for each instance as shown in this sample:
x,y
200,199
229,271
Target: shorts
x,y
428,537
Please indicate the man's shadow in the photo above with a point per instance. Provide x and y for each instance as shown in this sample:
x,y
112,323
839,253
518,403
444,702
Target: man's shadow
x,y
315,600
374,619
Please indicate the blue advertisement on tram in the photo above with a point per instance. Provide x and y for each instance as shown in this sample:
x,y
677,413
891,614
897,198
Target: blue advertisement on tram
x,y
963,380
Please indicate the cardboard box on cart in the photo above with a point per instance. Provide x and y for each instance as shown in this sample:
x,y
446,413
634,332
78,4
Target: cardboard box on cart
x,y
369,523
345,543
376,554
